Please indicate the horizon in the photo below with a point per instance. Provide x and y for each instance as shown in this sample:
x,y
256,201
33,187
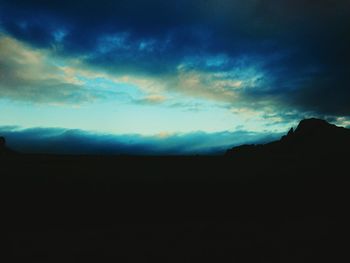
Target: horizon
x,y
156,78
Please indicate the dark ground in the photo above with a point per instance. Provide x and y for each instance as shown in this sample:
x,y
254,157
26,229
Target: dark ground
x,y
174,209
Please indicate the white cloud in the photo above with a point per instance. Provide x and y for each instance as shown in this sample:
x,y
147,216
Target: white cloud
x,y
38,75
29,74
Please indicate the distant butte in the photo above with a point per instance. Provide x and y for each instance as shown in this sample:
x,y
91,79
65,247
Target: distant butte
x,y
313,137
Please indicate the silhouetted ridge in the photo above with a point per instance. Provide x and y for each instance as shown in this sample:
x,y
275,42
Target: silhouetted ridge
x,y
312,136
313,124
312,127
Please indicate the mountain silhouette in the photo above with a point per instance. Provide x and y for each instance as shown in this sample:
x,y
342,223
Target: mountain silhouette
x,y
312,137
182,208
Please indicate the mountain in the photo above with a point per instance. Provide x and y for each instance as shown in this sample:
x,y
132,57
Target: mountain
x,y
312,137
181,209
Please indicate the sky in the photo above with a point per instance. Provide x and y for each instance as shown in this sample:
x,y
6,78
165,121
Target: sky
x,y
169,77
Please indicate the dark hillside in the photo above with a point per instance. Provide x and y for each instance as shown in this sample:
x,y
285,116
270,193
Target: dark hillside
x,y
281,202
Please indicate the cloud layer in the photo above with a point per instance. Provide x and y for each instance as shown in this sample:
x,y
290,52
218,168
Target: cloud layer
x,y
63,141
300,47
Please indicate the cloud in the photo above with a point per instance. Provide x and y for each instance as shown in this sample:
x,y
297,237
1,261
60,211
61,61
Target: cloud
x,y
26,74
151,100
36,75
63,141
298,49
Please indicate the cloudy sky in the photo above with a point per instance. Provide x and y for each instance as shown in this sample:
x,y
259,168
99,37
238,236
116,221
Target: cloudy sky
x,y
186,76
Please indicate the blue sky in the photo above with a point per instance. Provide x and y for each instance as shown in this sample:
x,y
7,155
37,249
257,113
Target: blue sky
x,y
187,71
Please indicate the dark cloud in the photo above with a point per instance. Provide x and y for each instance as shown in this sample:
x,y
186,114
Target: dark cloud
x,y
302,46
63,141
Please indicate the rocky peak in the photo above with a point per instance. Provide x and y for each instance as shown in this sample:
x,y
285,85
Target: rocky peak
x,y
312,125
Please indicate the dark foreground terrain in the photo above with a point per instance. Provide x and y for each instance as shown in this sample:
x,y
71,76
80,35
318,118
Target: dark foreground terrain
x,y
275,206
